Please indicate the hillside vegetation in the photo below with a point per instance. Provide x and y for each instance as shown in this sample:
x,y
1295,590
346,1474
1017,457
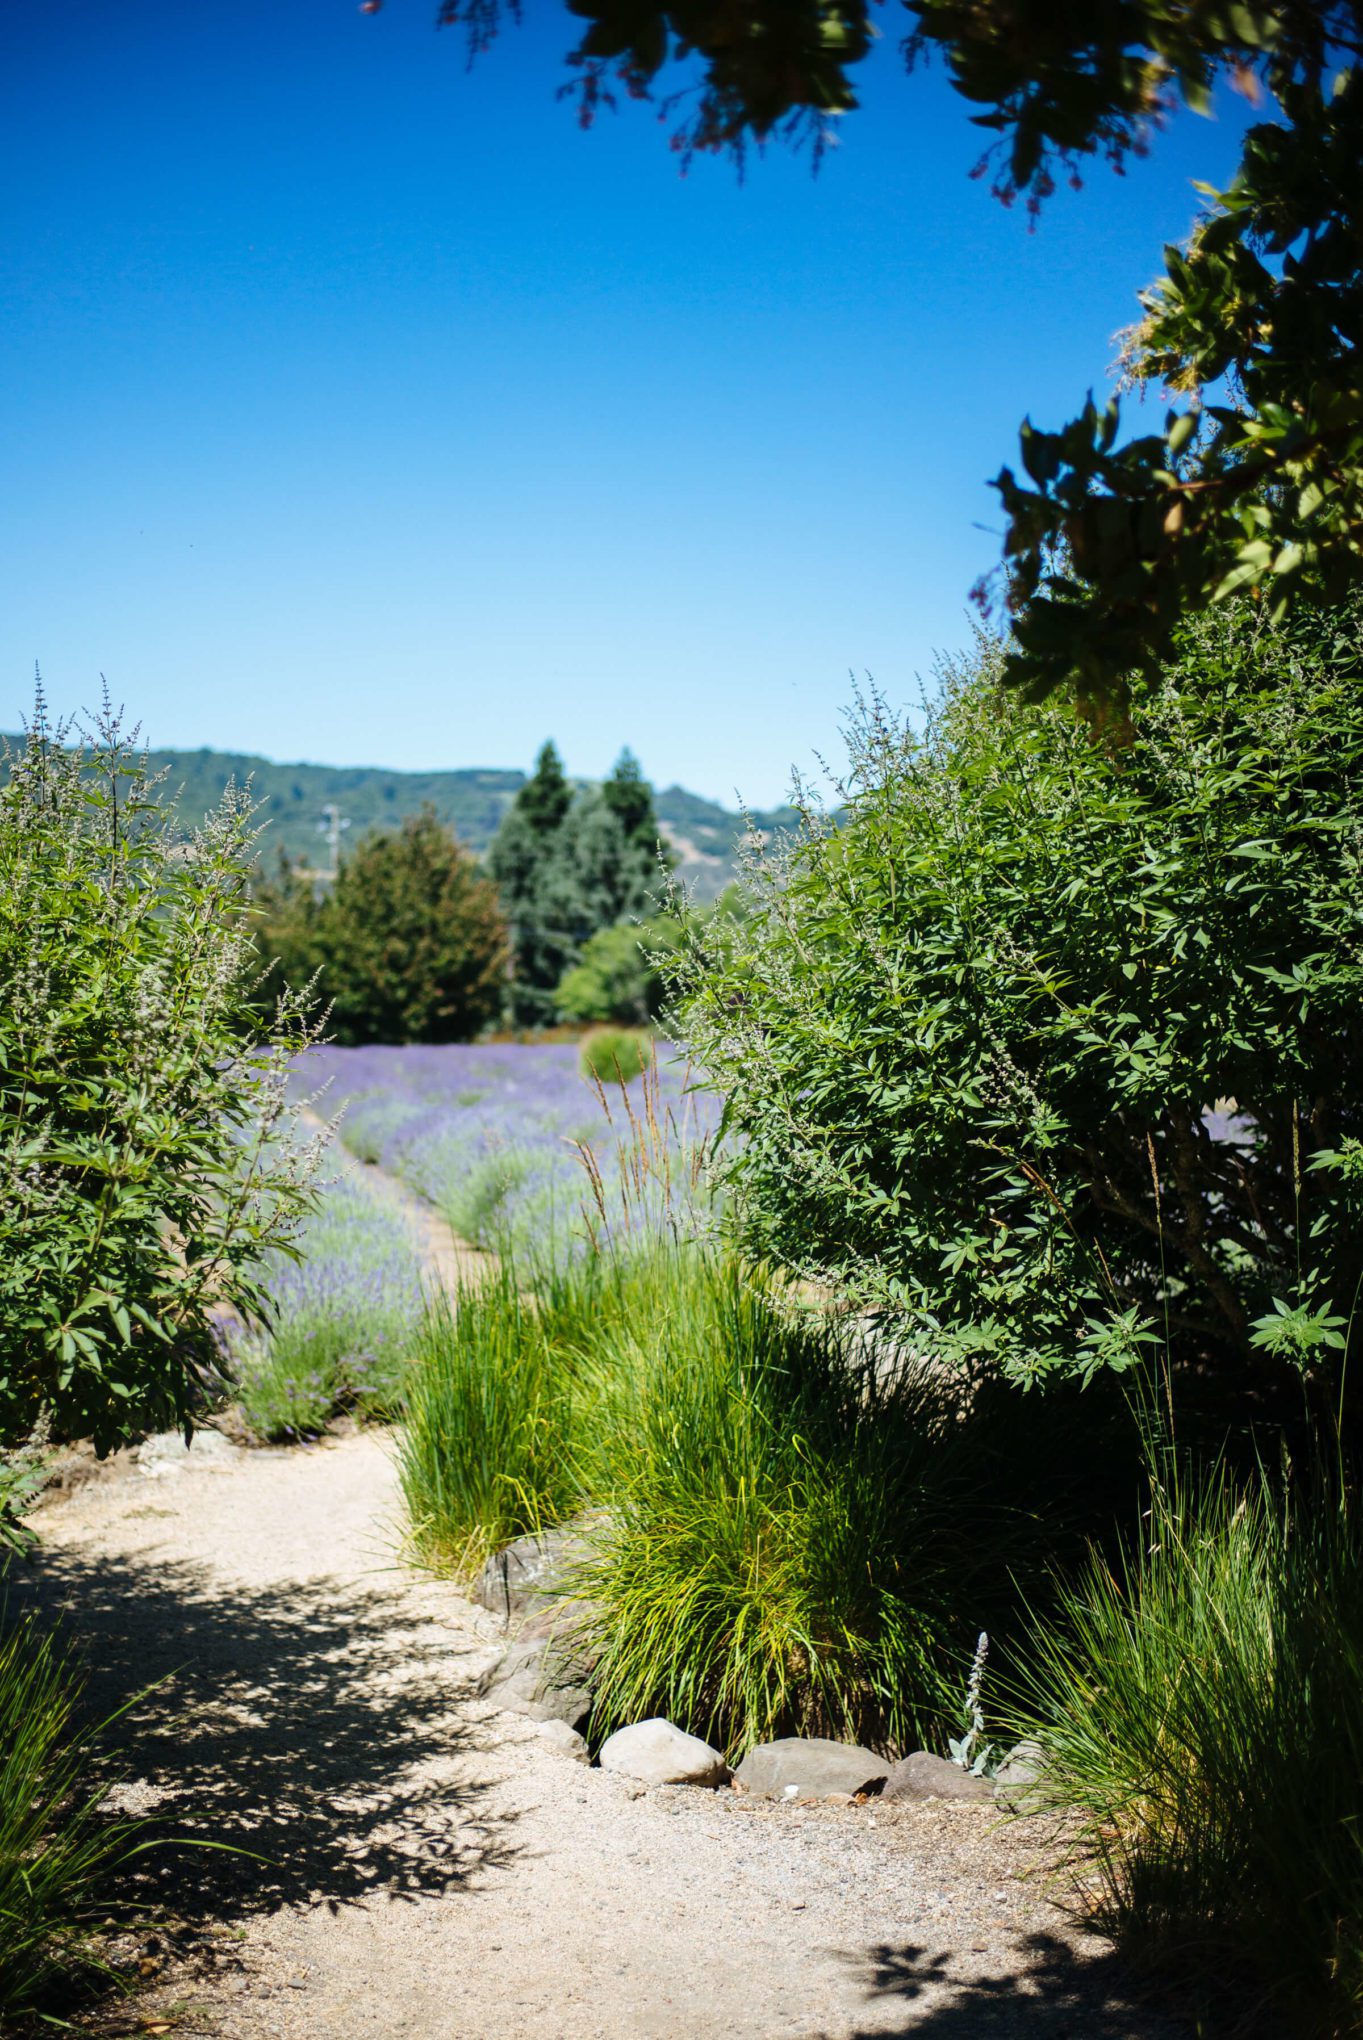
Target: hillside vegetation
x,y
471,802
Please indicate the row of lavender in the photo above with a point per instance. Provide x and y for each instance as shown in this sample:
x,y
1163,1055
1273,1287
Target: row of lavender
x,y
512,1145
516,1150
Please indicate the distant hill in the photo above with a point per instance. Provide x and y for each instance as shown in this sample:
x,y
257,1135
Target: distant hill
x,y
292,799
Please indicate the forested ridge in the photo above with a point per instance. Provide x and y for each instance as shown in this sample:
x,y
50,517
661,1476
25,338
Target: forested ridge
x,y
471,801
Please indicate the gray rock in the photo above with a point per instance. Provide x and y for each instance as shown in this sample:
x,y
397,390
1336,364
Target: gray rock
x,y
166,1452
658,1753
809,1767
537,1677
923,1776
516,1580
545,1672
536,1688
1018,1783
565,1740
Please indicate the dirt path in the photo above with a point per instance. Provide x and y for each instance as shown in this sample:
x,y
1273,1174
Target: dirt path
x,y
449,1260
423,1866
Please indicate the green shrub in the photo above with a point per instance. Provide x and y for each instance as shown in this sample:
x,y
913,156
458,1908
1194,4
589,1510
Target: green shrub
x,y
145,1169
779,1555
791,1534
56,1848
615,1054
1202,1710
618,977
409,944
970,1035
485,1453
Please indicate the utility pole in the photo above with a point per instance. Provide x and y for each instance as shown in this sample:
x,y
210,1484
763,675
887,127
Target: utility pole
x,y
331,825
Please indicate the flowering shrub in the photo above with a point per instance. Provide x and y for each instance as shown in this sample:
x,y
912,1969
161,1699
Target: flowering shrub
x,y
343,1318
975,1035
147,1168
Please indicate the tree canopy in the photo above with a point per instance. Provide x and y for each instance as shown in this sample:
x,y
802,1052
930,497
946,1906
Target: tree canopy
x,y
1255,479
568,866
409,945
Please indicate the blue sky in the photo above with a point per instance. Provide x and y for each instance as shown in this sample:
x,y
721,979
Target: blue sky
x,y
361,408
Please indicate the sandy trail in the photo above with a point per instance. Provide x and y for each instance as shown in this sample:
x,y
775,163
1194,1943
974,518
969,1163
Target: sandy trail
x,y
424,1866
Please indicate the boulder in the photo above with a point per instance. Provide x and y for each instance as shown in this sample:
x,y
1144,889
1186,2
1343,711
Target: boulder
x,y
517,1579
531,1680
565,1740
545,1672
923,1776
166,1452
809,1767
658,1753
1018,1785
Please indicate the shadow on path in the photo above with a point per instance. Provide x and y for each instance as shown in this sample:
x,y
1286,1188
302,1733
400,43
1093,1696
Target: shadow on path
x,y
312,1724
1052,1993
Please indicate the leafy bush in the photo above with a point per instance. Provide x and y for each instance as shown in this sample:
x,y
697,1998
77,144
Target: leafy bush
x,y
1202,1711
615,1054
1053,1046
55,1846
146,1165
485,1452
618,976
409,945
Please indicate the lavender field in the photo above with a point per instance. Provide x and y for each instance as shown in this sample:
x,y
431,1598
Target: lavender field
x,y
516,1150
344,1316
513,1146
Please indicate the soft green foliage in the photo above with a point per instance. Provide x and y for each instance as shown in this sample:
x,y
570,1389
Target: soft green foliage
x,y
778,1555
792,1531
619,976
408,945
1202,1714
616,1054
147,1168
485,1451
968,1037
1108,545
569,866
56,1847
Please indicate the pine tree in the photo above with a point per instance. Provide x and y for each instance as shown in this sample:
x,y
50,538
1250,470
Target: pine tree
x,y
567,867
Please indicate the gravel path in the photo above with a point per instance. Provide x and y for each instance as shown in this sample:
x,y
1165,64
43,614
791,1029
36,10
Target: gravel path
x,y
432,1868
423,1865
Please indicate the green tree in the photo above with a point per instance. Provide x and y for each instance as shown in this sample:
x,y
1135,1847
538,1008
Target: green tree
x,y
618,976
568,866
1108,542
148,1163
1055,1053
543,802
409,945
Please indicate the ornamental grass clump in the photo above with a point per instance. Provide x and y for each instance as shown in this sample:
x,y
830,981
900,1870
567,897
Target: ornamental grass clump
x,y
57,1847
1201,1709
485,1452
780,1551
